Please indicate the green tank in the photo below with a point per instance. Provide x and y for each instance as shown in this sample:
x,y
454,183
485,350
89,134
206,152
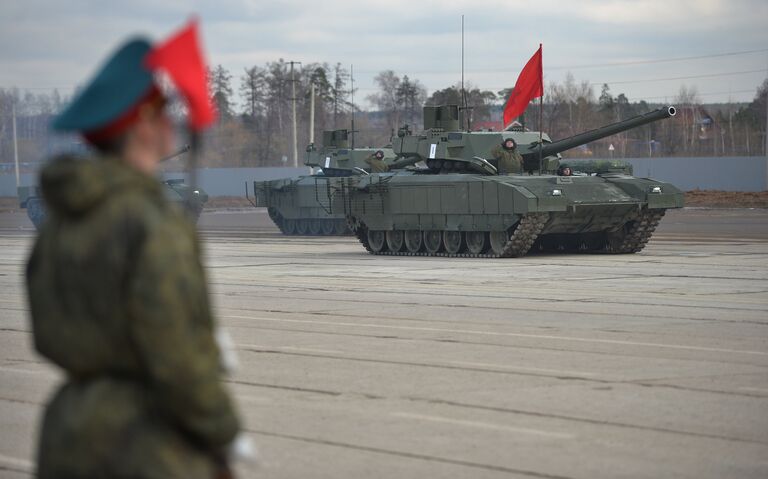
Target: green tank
x,y
453,202
176,191
308,205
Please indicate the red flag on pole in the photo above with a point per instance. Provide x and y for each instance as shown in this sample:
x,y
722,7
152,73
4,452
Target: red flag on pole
x,y
180,56
529,85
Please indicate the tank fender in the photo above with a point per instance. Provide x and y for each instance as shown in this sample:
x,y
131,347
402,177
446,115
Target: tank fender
x,y
523,201
365,183
520,200
657,194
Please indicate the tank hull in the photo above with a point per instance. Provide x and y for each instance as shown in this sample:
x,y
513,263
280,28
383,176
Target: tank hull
x,y
501,216
304,205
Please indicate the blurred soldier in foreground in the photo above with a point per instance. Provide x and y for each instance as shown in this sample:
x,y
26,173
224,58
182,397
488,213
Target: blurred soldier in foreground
x,y
377,163
508,159
119,300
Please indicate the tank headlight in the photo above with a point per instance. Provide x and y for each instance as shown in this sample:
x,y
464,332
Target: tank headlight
x,y
656,189
196,192
557,192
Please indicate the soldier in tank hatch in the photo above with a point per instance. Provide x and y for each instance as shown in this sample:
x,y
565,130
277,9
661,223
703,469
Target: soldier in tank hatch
x,y
507,158
119,301
377,163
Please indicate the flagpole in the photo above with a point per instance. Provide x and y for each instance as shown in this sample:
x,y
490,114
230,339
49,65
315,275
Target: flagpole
x,y
194,150
541,108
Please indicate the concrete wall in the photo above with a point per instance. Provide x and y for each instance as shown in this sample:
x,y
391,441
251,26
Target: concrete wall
x,y
724,173
215,181
741,173
231,181
8,182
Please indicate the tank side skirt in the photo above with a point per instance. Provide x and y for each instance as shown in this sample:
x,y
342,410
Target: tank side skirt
x,y
632,238
520,240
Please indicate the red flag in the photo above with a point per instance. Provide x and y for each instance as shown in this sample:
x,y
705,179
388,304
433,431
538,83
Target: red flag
x,y
181,58
529,85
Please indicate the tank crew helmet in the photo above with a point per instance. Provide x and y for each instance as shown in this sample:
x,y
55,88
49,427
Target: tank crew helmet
x,y
379,154
122,91
509,144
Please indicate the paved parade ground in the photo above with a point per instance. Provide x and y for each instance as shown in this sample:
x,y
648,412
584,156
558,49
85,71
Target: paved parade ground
x,y
548,366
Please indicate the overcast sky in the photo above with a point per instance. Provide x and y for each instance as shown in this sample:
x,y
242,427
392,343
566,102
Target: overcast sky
x,y
646,49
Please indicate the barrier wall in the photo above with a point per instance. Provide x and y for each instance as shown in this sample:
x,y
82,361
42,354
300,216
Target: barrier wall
x,y
745,173
215,181
740,173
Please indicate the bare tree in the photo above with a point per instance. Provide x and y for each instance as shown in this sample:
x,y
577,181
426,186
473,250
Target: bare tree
x,y
339,93
479,102
253,90
221,91
687,101
411,95
386,99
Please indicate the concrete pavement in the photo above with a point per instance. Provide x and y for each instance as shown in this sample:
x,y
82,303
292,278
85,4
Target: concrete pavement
x,y
553,366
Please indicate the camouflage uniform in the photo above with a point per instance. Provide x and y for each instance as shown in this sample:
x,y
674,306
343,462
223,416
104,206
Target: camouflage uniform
x,y
118,300
377,165
509,161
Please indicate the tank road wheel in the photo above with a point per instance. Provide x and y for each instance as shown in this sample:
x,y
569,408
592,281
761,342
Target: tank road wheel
x,y
289,226
315,226
413,241
340,227
498,241
477,241
454,241
395,240
377,240
302,227
327,227
433,241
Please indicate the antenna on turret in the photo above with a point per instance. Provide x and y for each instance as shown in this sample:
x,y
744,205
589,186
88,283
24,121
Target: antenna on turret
x,y
464,92
352,93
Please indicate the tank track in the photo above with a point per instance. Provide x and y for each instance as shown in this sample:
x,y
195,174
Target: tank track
x,y
361,233
279,222
637,235
520,241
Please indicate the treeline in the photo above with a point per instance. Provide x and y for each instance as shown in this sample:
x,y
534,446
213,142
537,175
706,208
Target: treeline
x,y
697,129
255,125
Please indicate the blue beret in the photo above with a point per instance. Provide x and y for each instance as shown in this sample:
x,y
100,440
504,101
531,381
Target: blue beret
x,y
120,83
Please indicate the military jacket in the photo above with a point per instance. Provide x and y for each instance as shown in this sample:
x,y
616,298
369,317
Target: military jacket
x,y
509,161
377,165
118,300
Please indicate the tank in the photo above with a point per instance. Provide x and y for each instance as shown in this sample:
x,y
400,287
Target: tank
x,y
453,202
307,205
176,191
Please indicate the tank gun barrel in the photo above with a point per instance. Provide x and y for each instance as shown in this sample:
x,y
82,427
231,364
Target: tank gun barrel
x,y
405,161
178,152
598,133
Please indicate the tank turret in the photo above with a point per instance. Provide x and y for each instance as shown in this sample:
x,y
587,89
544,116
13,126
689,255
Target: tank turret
x,y
336,158
445,149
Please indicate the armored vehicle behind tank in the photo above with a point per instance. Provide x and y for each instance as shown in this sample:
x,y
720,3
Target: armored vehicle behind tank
x,y
458,205
305,205
190,200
